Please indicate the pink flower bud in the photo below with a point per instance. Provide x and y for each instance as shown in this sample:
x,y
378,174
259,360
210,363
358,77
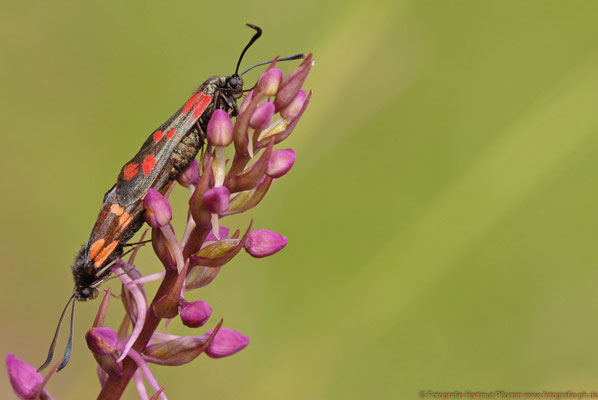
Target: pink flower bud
x,y
262,117
269,81
293,109
216,199
25,380
102,340
195,313
280,162
220,129
190,176
226,343
157,209
263,243
246,102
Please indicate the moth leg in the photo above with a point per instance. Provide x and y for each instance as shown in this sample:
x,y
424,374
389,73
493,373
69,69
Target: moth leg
x,y
231,103
137,243
111,294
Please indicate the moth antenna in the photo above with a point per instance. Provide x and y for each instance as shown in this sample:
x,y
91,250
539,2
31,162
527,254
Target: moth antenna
x,y
299,56
53,344
69,345
255,37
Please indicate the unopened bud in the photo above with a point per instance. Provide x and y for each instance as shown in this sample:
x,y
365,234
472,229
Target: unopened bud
x,y
157,209
220,129
226,343
195,313
263,243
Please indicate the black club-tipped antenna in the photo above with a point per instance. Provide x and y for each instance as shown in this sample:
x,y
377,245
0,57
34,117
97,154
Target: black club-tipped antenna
x,y
55,339
255,37
69,345
299,56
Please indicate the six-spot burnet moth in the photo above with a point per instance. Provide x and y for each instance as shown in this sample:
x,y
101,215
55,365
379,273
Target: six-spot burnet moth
x,y
163,156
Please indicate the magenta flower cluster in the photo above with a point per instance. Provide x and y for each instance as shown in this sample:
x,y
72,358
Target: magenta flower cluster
x,y
218,188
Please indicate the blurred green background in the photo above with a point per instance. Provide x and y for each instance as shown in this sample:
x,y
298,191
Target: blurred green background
x,y
442,214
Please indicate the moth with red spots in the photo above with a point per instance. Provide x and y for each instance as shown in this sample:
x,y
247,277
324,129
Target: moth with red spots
x,y
165,154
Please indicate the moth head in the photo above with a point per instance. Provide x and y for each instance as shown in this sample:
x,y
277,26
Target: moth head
x,y
235,84
86,294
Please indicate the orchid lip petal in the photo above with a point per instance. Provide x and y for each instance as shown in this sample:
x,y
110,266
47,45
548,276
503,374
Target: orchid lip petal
x,y
138,359
168,233
148,278
141,310
127,297
140,386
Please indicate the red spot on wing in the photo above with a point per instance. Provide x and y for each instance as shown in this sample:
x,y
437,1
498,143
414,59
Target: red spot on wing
x,y
170,133
189,104
149,162
130,171
202,105
158,135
